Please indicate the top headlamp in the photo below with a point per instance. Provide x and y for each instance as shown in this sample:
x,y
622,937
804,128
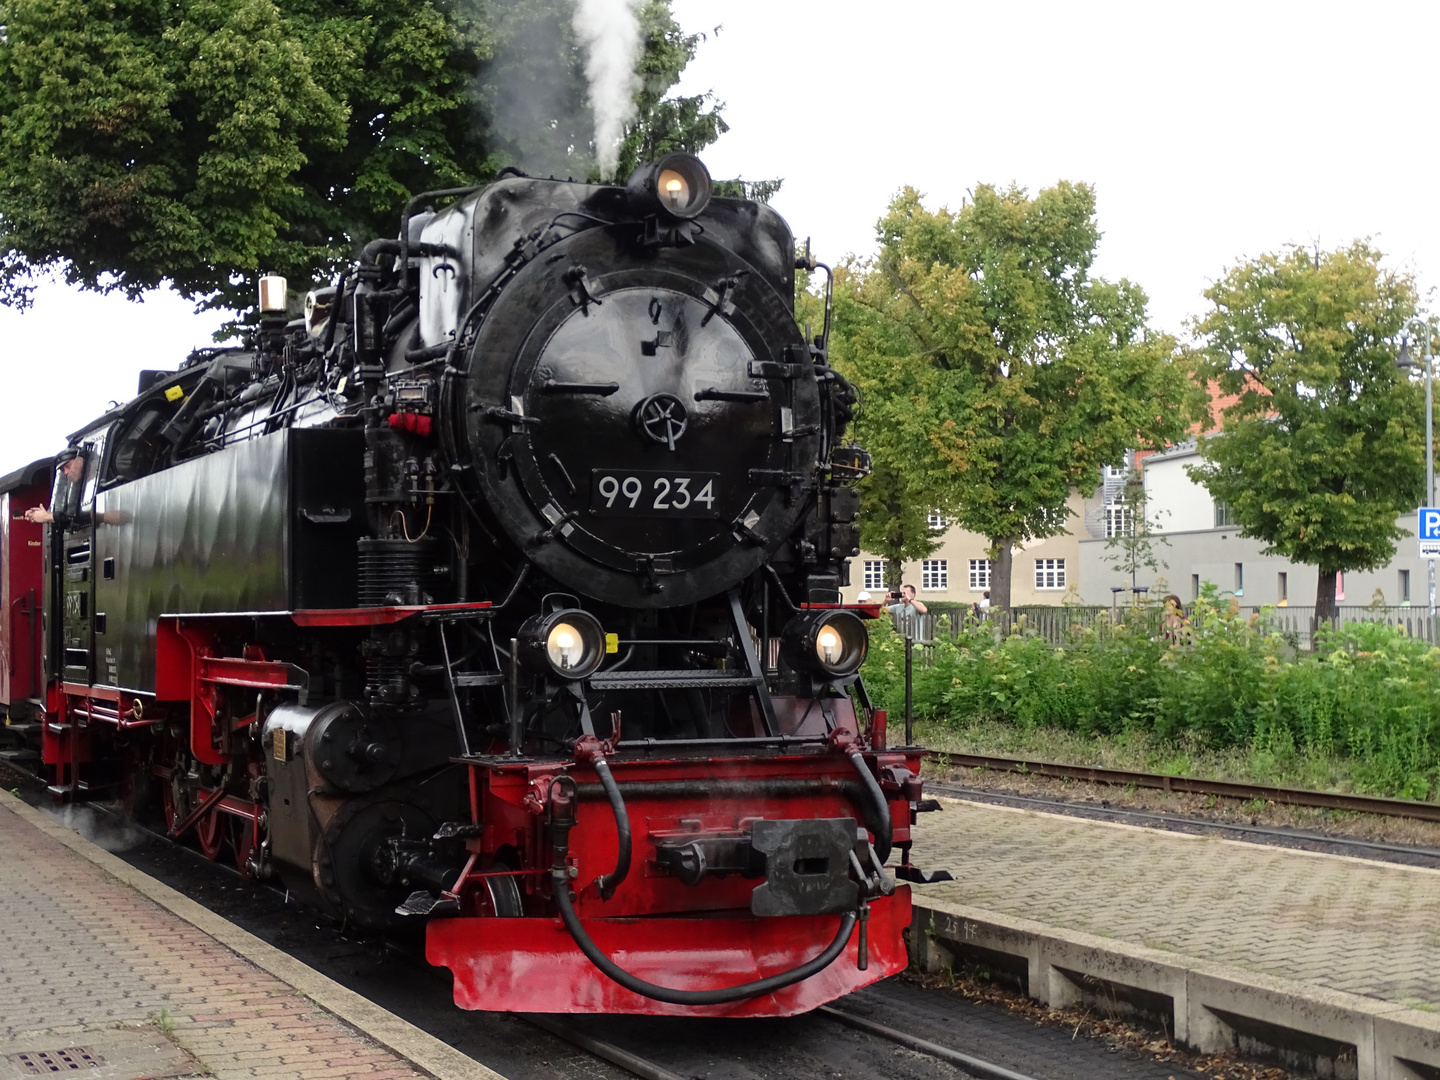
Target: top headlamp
x,y
678,185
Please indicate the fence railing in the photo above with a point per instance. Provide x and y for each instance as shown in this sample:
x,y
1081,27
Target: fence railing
x,y
1057,623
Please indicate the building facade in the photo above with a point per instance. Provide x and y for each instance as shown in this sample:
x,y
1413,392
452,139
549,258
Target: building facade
x,y
1044,571
1197,542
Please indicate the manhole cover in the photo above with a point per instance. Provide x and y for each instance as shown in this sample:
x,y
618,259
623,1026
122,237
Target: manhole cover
x,y
48,1062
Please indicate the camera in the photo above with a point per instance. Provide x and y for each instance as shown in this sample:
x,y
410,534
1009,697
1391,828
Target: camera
x,y
896,595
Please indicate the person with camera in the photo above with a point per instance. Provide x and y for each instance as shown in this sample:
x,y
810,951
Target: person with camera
x,y
906,611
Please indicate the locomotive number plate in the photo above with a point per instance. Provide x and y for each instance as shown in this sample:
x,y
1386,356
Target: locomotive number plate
x,y
643,493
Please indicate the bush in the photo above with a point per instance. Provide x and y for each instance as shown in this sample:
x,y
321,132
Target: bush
x,y
1368,692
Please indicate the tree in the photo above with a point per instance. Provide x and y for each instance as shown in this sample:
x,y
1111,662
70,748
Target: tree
x,y
1132,548
207,141
996,373
1323,446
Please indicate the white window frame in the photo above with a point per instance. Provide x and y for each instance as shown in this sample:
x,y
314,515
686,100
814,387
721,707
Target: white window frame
x,y
1049,574
935,520
934,575
1119,521
879,571
980,572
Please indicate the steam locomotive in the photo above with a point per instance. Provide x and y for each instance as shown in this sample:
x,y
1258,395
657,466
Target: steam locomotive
x,y
498,593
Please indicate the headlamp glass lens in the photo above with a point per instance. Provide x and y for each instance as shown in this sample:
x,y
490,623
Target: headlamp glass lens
x,y
827,645
674,191
565,646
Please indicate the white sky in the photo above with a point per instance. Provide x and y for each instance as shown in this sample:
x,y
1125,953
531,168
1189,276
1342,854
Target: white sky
x,y
1211,131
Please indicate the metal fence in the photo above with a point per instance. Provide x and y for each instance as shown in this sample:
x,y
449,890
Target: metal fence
x,y
1057,624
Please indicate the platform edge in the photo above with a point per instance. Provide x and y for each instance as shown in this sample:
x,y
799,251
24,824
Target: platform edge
x,y
400,1037
1207,998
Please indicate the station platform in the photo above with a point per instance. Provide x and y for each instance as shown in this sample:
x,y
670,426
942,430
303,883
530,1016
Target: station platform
x,y
112,975
1327,963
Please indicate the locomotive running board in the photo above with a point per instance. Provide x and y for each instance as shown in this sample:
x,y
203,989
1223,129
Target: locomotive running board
x,y
532,965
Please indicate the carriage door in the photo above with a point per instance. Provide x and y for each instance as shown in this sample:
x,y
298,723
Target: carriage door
x,y
75,483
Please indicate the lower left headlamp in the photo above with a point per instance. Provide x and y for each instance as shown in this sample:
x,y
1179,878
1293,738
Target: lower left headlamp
x,y
568,644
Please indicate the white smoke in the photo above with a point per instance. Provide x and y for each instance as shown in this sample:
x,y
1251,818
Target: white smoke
x,y
609,31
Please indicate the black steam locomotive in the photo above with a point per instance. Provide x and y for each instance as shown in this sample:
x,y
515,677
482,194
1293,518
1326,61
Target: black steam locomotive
x,y
501,588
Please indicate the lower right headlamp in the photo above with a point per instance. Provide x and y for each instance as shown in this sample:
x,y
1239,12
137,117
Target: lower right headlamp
x,y
830,642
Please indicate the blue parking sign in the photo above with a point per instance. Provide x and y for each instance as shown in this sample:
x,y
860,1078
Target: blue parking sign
x,y
1429,532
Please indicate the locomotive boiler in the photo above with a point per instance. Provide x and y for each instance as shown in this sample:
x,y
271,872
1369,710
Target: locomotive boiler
x,y
497,593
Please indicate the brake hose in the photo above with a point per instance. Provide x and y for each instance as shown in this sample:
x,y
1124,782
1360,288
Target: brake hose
x,y
608,883
885,830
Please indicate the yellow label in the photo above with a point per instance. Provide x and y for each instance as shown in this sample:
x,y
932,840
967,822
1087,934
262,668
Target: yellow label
x,y
282,747
612,643
174,394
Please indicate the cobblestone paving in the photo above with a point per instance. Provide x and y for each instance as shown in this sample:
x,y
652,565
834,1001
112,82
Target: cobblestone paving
x,y
79,951
1347,924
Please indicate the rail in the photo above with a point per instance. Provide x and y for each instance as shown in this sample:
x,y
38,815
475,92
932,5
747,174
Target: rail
x,y
1325,800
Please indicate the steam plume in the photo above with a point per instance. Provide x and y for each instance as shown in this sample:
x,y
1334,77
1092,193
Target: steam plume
x,y
609,31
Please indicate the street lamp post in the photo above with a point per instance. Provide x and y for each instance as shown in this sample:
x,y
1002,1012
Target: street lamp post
x,y
1422,328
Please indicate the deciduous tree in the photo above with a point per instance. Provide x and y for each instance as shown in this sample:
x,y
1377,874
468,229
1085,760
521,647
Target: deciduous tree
x,y
203,141
1324,445
996,372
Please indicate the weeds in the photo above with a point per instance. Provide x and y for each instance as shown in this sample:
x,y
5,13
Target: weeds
x,y
1365,703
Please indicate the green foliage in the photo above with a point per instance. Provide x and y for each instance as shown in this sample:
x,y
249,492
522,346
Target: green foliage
x,y
996,373
1369,693
1324,445
208,141
1134,548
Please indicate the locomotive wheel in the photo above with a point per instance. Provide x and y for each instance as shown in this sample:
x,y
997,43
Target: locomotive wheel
x,y
210,835
167,804
242,833
501,898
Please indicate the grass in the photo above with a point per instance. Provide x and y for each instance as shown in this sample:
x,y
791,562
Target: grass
x,y
1138,751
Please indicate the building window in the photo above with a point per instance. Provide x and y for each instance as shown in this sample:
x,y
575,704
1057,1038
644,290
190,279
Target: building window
x,y
979,575
874,574
935,520
1224,517
1194,586
934,574
1283,587
1239,579
1049,573
1117,520
1405,586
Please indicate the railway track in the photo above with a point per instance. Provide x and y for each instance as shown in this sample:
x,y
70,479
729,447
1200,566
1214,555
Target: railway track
x,y
1325,800
969,1064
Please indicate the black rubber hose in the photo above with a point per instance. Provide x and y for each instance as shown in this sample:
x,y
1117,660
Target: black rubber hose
x,y
561,877
885,834
608,883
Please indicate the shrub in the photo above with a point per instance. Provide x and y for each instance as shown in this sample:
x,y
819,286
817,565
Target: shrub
x,y
1367,692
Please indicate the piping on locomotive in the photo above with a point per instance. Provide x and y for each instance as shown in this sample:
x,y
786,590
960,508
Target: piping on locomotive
x,y
500,593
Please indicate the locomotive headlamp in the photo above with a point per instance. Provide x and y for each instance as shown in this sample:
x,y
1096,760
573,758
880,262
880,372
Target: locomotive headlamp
x,y
568,644
678,183
831,642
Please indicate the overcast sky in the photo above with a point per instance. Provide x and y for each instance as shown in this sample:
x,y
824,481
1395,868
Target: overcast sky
x,y
1211,131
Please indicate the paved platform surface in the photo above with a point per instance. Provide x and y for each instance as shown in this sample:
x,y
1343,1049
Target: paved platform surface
x,y
1341,923
89,963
